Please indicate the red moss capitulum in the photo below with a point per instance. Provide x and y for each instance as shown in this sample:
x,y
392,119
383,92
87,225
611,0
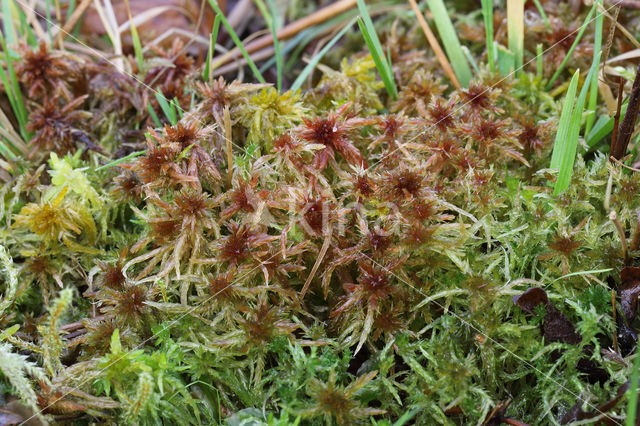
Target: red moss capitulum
x,y
332,133
565,245
442,115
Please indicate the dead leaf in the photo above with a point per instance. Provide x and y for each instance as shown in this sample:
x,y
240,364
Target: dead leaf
x,y
17,410
7,418
531,298
629,291
558,328
627,337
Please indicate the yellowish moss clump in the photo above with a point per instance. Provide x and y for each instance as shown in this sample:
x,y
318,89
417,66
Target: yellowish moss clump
x,y
58,220
356,82
268,113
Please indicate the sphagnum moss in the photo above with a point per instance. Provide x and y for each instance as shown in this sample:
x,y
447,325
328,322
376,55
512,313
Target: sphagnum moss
x,y
363,259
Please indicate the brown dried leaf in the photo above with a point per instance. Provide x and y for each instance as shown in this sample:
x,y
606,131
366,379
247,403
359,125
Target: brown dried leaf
x,y
629,291
8,418
531,298
17,413
558,328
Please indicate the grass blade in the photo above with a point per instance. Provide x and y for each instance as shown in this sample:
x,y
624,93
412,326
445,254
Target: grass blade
x,y
366,18
380,61
153,115
122,160
270,15
15,141
539,60
175,104
632,393
167,108
506,60
593,91
375,47
487,14
470,59
559,146
26,30
542,14
515,29
237,41
602,128
575,274
569,156
12,89
206,72
573,46
450,41
7,22
297,84
275,26
137,46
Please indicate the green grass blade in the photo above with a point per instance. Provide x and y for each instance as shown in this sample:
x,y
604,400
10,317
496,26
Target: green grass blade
x,y
406,417
574,274
487,14
237,41
12,89
275,26
297,84
450,41
153,115
263,11
573,46
5,151
539,60
370,36
295,46
593,91
559,146
515,29
212,47
122,160
270,15
542,14
632,392
380,61
506,61
470,59
366,19
603,127
7,22
175,104
137,46
168,109
25,29
567,160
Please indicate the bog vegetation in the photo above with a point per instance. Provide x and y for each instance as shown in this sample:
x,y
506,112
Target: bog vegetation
x,y
406,213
